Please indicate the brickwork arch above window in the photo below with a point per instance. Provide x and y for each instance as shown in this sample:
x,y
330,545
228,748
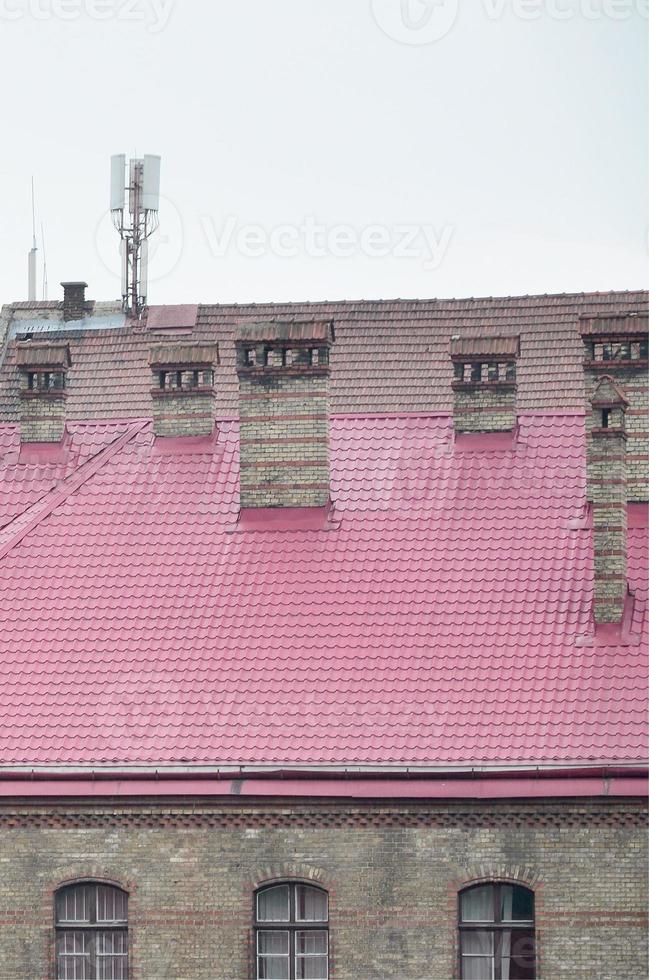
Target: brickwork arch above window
x,y
291,871
516,874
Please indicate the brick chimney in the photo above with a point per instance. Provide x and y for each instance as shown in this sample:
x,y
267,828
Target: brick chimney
x,y
74,300
283,371
183,388
484,383
42,369
607,491
619,347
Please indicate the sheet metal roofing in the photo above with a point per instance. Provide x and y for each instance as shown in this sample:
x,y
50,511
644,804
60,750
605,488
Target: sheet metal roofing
x,y
440,616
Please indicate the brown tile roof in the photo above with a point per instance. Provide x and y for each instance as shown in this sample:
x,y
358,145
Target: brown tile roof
x,y
389,356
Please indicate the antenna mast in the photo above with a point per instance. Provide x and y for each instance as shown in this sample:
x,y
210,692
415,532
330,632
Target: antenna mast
x,y
31,262
136,218
44,263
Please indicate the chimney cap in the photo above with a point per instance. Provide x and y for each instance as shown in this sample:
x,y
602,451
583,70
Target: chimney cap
x,y
74,282
42,354
286,331
179,355
472,347
620,325
608,394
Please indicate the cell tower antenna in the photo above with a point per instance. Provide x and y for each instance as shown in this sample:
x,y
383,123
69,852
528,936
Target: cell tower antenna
x,y
31,261
134,206
44,263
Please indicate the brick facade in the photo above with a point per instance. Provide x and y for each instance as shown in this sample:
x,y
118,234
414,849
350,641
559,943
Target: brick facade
x,y
283,374
486,407
393,876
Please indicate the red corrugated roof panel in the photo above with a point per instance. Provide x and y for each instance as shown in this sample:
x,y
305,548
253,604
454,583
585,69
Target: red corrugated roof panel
x,y
434,618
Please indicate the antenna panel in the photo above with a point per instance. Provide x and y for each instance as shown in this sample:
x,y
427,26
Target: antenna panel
x,y
117,182
151,183
123,254
144,269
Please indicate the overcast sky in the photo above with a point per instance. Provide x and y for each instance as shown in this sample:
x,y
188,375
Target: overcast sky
x,y
326,149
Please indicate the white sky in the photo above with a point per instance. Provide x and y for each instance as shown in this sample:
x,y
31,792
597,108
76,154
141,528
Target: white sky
x,y
499,148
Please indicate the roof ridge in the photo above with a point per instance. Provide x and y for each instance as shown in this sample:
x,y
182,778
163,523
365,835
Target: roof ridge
x,y
385,300
52,498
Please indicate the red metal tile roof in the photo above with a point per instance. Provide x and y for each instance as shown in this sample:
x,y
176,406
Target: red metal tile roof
x,y
438,617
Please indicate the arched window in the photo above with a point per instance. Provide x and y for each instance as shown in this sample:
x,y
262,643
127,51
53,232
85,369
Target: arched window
x,y
91,932
497,933
291,932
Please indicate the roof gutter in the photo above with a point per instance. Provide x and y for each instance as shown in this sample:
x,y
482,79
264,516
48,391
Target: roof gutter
x,y
588,782
399,770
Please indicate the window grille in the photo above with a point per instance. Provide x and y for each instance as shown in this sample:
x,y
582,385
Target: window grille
x,y
497,940
91,933
291,932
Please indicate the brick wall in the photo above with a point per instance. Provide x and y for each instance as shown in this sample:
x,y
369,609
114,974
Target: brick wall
x,y
607,491
632,377
74,300
484,407
42,415
635,385
183,413
393,874
284,415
